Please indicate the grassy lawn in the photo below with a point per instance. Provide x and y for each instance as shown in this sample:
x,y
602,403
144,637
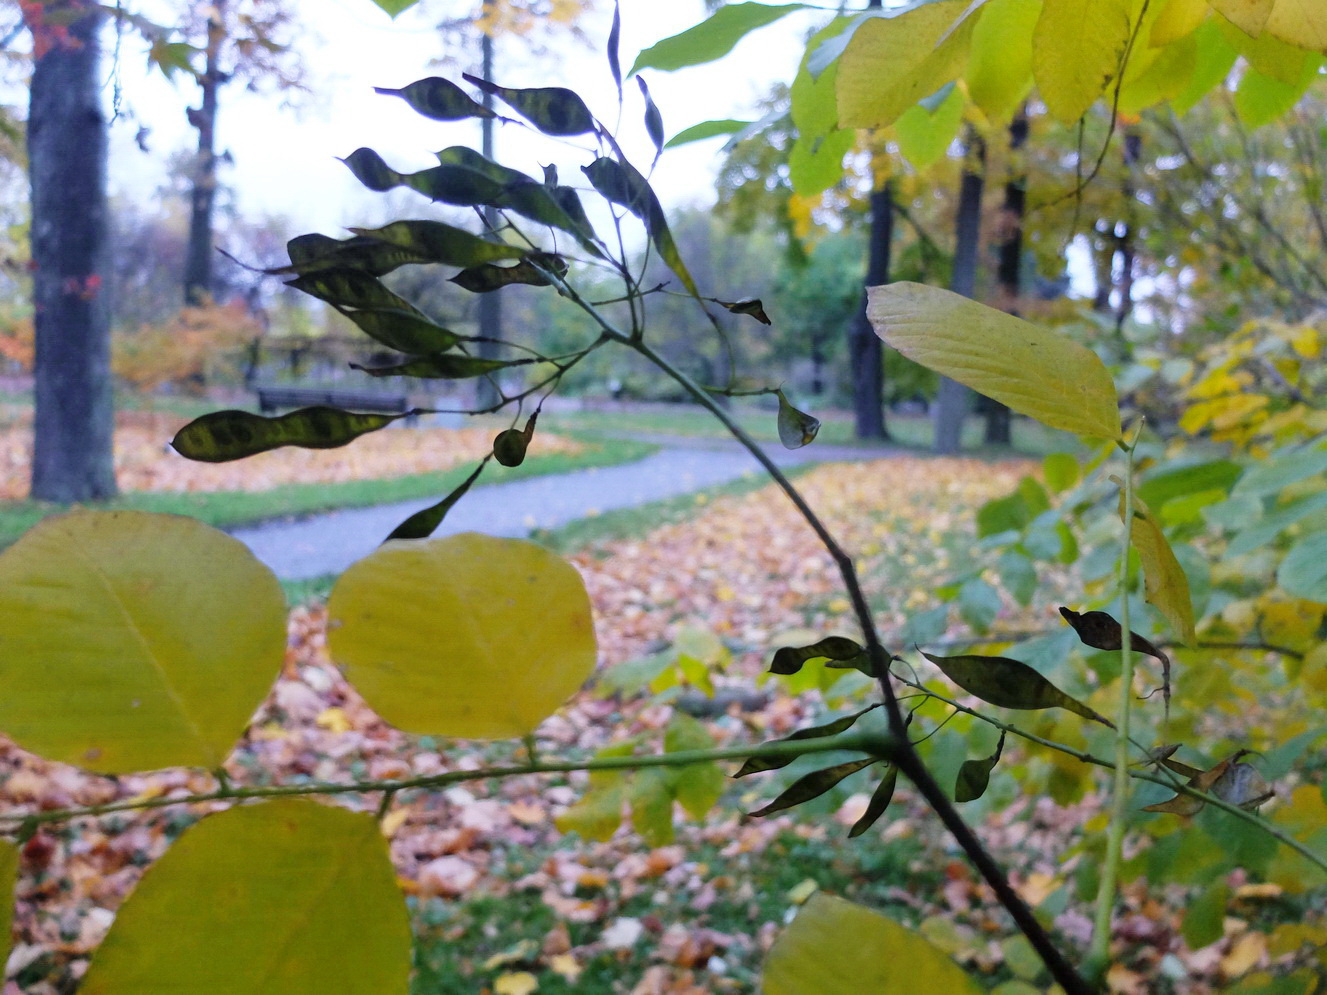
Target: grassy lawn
x,y
908,431
231,508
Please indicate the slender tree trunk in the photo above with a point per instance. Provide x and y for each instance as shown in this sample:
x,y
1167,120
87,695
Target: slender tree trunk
x,y
67,147
1133,147
864,346
953,399
1103,263
1009,269
490,304
198,286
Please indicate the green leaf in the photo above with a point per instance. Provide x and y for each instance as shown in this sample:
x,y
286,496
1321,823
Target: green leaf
x,y
1018,574
696,786
620,183
1205,916
834,947
1077,51
404,331
1164,583
974,775
875,808
395,7
437,242
134,641
1261,99
598,815
1303,572
463,155
371,171
1177,481
318,253
423,524
1008,683
1274,522
514,619
510,446
460,186
978,604
1213,59
352,289
614,45
554,110
530,271
1032,370
1006,514
813,785
1060,470
924,135
651,797
815,162
444,366
755,765
796,428
299,897
1287,467
653,119
439,99
222,436
999,73
790,659
706,129
713,38
894,61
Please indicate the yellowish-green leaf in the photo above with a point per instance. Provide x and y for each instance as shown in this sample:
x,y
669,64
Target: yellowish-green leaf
x,y
696,786
1077,50
893,62
1299,22
466,635
1166,77
8,873
815,162
1177,19
1009,683
1034,371
925,135
835,947
134,641
1166,586
282,898
999,73
1250,16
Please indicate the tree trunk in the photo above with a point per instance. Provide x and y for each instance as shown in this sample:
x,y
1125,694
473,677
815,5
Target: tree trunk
x,y
864,346
67,148
202,197
490,304
1009,269
953,399
1133,147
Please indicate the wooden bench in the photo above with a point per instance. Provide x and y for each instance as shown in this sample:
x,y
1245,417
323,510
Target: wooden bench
x,y
275,397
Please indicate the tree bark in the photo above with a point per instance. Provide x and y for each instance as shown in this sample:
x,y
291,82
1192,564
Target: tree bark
x,y
67,148
1133,147
198,285
953,399
490,304
864,346
1009,268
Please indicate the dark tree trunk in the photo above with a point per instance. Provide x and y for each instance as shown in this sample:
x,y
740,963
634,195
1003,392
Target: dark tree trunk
x,y
1009,268
198,288
67,146
490,304
864,346
953,399
1133,147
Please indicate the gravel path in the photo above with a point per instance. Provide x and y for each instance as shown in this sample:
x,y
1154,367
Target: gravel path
x,y
330,542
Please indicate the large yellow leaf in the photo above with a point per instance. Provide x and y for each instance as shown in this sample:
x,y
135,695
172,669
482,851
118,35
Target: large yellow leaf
x,y
1034,371
1177,19
1250,16
134,641
999,73
1166,586
274,899
893,61
1300,22
834,947
467,635
8,872
1077,50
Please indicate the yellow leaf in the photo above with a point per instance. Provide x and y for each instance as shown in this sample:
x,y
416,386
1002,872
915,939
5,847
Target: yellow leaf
x,y
467,635
1250,16
121,654
1077,50
334,720
1164,582
834,947
1302,23
1034,371
892,62
799,893
515,983
1244,954
393,821
287,896
1178,19
565,965
999,73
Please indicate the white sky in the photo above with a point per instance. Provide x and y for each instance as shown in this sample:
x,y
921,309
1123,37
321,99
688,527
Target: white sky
x,y
286,159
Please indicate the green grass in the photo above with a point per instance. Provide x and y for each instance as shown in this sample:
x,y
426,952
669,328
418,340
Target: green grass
x,y
225,509
908,431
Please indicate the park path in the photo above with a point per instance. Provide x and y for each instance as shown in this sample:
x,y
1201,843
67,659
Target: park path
x,y
330,542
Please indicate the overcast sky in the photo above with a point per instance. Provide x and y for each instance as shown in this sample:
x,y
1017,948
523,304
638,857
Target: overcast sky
x,y
285,159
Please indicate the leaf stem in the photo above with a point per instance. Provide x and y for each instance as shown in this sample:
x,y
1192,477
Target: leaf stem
x,y
1099,953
